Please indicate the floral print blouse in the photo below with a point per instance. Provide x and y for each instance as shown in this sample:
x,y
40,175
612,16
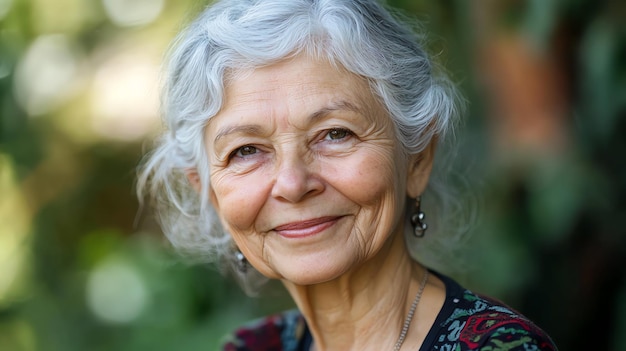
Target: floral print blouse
x,y
467,321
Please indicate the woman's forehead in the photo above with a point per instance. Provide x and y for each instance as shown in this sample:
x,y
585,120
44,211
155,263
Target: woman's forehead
x,y
301,82
297,93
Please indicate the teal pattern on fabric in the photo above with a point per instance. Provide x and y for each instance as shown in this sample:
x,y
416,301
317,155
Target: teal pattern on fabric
x,y
467,321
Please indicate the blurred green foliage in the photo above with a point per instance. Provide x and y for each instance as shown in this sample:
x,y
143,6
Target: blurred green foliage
x,y
81,270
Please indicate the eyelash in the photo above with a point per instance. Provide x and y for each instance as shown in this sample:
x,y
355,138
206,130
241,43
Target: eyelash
x,y
328,134
326,137
237,151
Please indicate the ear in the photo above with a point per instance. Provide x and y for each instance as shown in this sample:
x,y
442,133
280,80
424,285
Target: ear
x,y
420,166
194,179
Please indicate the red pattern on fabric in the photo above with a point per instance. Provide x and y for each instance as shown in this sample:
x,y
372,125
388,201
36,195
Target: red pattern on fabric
x,y
265,337
477,326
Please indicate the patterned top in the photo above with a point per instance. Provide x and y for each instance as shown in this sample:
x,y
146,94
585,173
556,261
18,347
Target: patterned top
x,y
467,321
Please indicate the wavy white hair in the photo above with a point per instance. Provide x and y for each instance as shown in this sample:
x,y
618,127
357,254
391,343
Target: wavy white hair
x,y
361,36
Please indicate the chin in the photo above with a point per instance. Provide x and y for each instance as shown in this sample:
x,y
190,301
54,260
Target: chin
x,y
322,271
306,279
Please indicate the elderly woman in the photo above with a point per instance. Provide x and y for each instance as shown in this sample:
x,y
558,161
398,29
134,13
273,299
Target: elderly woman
x,y
301,135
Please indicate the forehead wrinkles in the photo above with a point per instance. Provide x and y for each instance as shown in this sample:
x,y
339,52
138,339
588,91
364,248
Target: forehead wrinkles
x,y
300,73
293,103
294,89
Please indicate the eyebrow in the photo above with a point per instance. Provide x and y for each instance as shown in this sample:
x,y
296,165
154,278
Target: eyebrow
x,y
257,128
337,106
246,129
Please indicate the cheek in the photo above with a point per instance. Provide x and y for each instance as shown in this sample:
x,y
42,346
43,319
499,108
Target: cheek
x,y
238,200
368,177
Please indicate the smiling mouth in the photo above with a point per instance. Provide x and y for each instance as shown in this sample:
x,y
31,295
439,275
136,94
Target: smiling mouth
x,y
306,228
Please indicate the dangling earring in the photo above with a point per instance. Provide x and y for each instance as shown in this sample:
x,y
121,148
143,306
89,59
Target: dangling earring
x,y
417,219
242,262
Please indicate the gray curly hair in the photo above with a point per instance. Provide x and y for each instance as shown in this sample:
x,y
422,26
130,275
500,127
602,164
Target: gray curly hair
x,y
361,36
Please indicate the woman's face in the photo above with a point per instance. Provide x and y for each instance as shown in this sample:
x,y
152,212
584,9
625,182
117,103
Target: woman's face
x,y
306,173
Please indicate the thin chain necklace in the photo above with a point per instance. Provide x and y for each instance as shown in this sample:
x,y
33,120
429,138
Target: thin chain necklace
x,y
409,317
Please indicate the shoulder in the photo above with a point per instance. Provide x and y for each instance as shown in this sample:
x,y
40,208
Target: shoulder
x,y
487,324
470,321
279,332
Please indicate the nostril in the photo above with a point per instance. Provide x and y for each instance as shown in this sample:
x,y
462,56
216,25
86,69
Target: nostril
x,y
295,183
289,184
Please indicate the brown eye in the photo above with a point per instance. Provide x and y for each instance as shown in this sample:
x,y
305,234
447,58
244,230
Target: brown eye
x,y
246,151
337,134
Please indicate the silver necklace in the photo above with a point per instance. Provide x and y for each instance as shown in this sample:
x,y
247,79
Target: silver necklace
x,y
409,317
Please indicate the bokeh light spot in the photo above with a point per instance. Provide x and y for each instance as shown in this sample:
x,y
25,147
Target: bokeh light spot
x,y
127,13
124,98
44,75
116,291
5,6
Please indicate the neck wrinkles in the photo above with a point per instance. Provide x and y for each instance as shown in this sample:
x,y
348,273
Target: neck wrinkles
x,y
352,310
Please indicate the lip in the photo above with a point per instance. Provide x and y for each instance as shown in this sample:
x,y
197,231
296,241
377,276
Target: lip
x,y
306,228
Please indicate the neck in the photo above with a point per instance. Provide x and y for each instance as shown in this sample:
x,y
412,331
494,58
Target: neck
x,y
365,308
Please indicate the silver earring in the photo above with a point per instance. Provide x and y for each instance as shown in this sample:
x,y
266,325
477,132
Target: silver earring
x,y
417,219
242,262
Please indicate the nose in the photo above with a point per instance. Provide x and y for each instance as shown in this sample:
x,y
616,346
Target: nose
x,y
295,181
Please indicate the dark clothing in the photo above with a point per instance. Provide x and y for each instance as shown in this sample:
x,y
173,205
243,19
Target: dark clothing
x,y
467,321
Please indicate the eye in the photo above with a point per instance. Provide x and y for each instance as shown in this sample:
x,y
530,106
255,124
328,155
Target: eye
x,y
337,134
244,151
